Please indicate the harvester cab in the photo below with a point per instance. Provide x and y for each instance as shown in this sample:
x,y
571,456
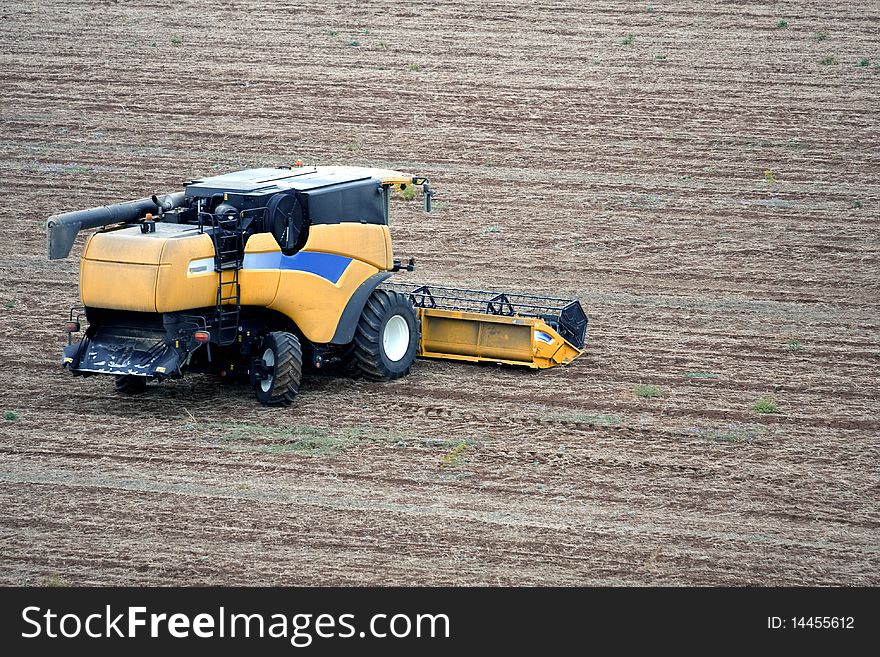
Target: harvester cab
x,y
251,275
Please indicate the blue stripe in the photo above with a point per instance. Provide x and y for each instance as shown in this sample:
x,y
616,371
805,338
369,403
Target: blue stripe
x,y
326,265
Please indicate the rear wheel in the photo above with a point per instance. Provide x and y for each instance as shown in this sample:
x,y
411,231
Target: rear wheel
x,y
282,360
131,385
387,336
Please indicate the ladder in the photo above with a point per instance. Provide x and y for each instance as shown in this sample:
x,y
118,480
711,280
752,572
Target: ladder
x,y
228,236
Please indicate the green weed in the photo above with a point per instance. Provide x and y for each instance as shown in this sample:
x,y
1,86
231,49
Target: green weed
x,y
700,375
794,344
10,416
781,24
828,60
765,405
864,62
646,392
628,40
176,40
602,419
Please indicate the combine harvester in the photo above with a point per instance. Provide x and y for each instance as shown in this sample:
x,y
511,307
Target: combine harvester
x,y
251,274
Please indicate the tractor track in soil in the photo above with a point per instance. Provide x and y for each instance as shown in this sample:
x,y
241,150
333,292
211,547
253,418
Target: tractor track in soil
x,y
709,191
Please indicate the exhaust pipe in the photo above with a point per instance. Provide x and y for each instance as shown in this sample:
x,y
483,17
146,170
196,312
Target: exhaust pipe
x,y
61,229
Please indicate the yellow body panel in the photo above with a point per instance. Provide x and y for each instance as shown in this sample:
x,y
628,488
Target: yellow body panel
x,y
123,286
129,270
176,288
259,286
368,242
315,303
476,337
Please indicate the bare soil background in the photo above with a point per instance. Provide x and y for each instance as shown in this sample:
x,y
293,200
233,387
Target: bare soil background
x,y
707,187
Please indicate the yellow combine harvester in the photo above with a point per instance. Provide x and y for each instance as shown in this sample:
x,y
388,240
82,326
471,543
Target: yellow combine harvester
x,y
254,274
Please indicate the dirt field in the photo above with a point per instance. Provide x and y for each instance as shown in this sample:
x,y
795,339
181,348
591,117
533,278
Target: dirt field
x,y
705,178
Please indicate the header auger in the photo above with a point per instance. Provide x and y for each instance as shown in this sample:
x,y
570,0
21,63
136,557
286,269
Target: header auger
x,y
251,275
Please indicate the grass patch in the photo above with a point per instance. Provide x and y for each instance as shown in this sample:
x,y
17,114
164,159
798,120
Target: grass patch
x,y
646,392
700,375
414,67
55,581
628,40
602,419
864,62
176,40
828,60
856,204
765,405
820,36
794,344
408,193
310,441
65,168
781,24
10,416
9,305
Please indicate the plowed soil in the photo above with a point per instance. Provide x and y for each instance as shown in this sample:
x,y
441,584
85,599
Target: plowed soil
x,y
703,177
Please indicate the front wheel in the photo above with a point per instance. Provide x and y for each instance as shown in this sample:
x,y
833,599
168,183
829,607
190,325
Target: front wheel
x,y
282,369
131,385
387,338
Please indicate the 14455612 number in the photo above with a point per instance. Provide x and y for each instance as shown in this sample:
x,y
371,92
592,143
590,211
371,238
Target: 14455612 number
x,y
811,622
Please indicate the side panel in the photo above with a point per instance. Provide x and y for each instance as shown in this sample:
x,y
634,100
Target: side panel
x,y
259,286
186,275
368,242
315,294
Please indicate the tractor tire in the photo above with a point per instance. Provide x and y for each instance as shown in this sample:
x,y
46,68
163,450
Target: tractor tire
x,y
348,363
282,354
131,385
387,337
